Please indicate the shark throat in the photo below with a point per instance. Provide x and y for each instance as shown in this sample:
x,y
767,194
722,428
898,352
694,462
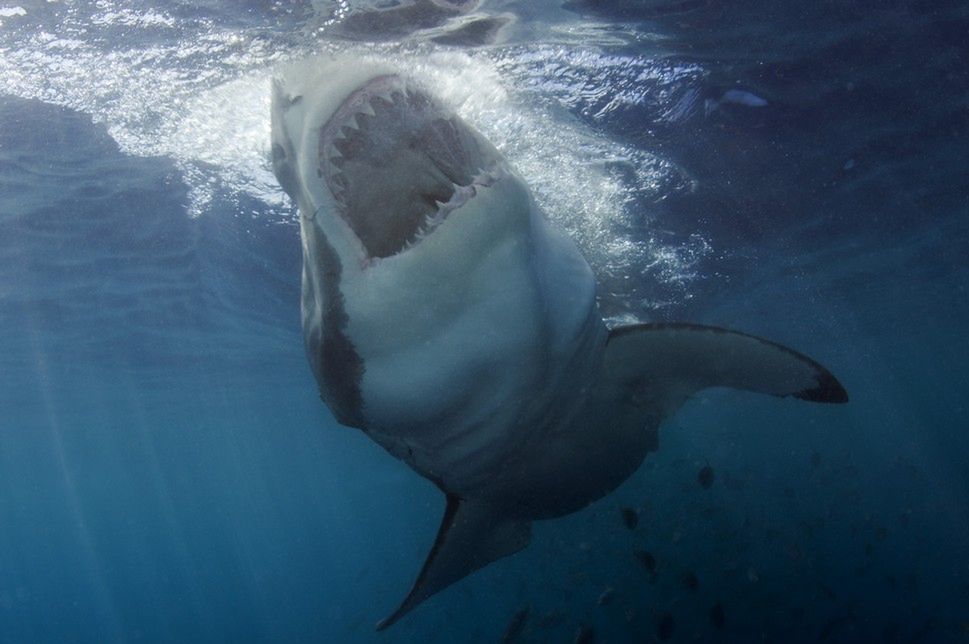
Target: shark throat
x,y
397,164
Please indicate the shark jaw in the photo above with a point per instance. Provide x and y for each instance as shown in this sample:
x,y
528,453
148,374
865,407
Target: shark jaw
x,y
397,164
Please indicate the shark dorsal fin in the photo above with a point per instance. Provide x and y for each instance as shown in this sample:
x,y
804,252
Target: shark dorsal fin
x,y
472,535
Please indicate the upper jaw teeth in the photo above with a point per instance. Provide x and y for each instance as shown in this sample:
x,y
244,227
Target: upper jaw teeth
x,y
347,138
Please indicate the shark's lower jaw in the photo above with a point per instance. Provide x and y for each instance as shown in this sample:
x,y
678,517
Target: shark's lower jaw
x,y
397,164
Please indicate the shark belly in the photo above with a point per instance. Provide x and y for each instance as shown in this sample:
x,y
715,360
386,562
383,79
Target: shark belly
x,y
459,384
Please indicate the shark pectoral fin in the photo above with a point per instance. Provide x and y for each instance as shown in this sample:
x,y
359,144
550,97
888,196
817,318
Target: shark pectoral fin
x,y
666,363
472,535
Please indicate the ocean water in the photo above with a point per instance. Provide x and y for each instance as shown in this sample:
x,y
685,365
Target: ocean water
x,y
169,474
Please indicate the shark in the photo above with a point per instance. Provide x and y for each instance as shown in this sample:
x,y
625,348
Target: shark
x,y
444,316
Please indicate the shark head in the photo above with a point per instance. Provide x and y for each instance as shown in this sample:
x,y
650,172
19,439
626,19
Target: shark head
x,y
424,307
377,163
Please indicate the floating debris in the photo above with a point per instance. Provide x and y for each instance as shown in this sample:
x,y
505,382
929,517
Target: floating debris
x,y
718,617
516,626
630,518
664,630
815,460
551,619
606,597
890,632
585,635
927,627
705,477
826,590
905,517
690,581
835,624
648,561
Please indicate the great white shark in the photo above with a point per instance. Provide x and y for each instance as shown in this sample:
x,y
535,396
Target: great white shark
x,y
445,317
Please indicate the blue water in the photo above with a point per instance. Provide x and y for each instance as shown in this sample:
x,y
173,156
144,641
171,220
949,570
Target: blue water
x,y
169,474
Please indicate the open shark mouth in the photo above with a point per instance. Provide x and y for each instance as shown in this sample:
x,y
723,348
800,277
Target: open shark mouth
x,y
397,164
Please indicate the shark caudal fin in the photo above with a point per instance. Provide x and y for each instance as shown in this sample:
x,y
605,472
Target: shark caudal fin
x,y
472,535
661,365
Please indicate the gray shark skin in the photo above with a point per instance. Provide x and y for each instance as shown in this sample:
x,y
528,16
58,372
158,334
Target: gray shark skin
x,y
444,316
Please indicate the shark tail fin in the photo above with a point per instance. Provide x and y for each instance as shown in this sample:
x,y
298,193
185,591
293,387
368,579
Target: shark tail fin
x,y
472,535
664,364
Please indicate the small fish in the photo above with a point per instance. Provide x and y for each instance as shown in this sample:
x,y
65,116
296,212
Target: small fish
x,y
690,581
835,624
752,575
742,97
733,97
927,627
824,588
551,619
630,518
718,617
516,626
705,477
585,635
905,517
664,629
648,561
911,581
890,632
815,460
606,597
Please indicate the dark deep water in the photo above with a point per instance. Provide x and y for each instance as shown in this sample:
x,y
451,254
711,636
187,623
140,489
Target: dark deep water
x,y
168,473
